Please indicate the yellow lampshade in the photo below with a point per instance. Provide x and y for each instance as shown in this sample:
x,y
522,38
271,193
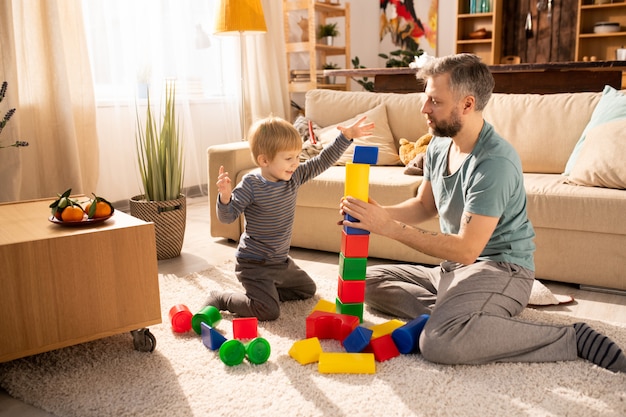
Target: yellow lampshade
x,y
236,16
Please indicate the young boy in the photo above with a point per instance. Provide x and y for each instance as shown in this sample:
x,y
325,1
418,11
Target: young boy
x,y
268,199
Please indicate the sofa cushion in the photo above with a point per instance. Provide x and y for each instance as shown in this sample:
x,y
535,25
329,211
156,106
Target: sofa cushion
x,y
612,106
381,137
554,204
600,162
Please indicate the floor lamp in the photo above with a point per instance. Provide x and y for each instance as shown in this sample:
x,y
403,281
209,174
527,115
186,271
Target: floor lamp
x,y
239,17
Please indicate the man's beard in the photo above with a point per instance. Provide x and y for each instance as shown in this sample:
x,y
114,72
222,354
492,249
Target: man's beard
x,y
447,129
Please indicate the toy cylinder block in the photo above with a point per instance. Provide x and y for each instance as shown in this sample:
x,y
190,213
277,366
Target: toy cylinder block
x,y
357,181
245,327
350,291
346,363
352,268
232,352
306,351
357,340
180,318
354,245
350,309
211,337
209,315
258,350
386,328
384,348
365,155
325,325
407,337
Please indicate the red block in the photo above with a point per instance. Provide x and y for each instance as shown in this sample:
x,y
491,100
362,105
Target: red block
x,y
354,246
245,327
325,325
383,348
351,291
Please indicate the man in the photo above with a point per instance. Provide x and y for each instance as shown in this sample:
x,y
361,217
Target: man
x,y
473,181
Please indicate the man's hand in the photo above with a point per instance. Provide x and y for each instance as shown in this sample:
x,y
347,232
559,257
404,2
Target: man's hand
x,y
371,215
224,186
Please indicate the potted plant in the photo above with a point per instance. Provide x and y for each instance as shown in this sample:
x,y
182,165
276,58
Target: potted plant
x,y
328,31
161,165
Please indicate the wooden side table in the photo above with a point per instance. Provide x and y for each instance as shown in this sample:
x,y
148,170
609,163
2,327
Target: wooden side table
x,y
62,285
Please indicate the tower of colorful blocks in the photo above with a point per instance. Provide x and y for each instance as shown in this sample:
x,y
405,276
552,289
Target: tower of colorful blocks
x,y
355,242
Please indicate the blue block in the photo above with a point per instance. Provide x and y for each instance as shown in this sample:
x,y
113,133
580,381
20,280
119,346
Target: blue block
x,y
407,337
211,337
353,230
365,155
357,340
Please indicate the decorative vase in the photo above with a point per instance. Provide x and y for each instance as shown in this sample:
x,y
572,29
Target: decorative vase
x,y
329,40
169,218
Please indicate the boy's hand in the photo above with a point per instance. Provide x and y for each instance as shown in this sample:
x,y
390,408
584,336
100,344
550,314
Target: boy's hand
x,y
224,186
357,129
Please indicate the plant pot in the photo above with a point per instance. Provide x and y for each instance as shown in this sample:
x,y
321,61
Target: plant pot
x,y
169,218
329,40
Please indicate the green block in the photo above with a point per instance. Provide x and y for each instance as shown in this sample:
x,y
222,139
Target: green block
x,y
352,269
350,309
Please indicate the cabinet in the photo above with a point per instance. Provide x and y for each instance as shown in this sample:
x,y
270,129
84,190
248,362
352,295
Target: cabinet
x,y
312,52
470,36
600,45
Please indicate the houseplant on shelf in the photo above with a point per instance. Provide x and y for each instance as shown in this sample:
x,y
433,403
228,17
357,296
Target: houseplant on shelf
x,y
161,165
328,32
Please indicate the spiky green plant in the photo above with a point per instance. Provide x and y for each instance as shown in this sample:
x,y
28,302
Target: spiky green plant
x,y
160,152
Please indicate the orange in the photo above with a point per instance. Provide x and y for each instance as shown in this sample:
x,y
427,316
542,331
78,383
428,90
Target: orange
x,y
72,214
103,209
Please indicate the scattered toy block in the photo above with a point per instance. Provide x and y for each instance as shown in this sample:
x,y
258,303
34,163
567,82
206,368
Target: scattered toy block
x,y
232,352
258,350
352,268
365,155
384,348
350,309
334,326
180,318
354,245
350,291
386,328
325,305
209,315
211,337
306,351
357,181
245,327
407,337
346,363
357,340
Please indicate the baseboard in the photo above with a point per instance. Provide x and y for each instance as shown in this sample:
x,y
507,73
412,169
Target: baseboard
x,y
602,289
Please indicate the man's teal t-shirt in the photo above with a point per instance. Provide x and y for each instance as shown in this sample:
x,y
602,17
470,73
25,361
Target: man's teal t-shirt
x,y
489,183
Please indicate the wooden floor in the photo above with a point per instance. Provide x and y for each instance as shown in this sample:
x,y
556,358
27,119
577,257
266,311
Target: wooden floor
x,y
201,250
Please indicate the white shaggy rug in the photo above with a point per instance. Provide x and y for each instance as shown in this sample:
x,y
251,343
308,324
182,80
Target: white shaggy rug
x,y
183,378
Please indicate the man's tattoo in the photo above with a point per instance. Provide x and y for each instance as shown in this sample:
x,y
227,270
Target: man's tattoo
x,y
467,219
425,232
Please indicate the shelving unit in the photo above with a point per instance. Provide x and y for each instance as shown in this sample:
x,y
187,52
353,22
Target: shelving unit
x,y
317,54
599,45
489,48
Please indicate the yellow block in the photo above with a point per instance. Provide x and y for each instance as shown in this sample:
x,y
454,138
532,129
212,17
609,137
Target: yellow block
x,y
306,351
357,181
386,328
325,306
346,363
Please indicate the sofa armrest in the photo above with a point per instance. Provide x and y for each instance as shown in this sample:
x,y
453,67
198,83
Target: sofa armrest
x,y
234,157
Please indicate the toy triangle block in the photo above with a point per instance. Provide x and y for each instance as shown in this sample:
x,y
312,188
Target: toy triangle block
x,y
383,348
386,328
357,340
325,305
306,351
211,337
334,326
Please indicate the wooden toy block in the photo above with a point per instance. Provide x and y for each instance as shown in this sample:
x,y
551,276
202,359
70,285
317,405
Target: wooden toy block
x,y
334,326
354,245
407,337
386,328
353,230
357,340
245,327
306,351
352,268
350,291
357,181
365,155
211,337
325,305
350,309
346,363
383,348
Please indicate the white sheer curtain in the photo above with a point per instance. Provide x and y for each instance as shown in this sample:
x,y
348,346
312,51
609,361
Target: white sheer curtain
x,y
132,42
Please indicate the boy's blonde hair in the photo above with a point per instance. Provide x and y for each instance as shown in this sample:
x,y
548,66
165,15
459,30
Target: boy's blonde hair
x,y
272,135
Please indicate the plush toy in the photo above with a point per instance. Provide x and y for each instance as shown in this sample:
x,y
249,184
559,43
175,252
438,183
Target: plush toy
x,y
409,150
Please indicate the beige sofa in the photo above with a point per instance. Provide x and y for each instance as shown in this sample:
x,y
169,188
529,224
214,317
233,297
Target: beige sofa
x,y
581,230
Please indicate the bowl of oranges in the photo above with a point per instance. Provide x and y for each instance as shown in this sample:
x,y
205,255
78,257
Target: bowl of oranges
x,y
69,211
